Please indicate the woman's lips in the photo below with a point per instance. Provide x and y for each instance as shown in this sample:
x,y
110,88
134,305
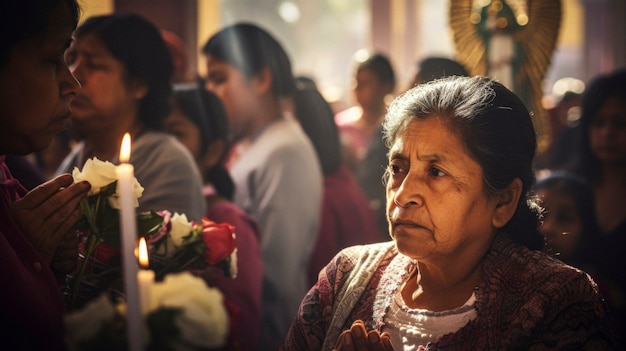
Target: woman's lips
x,y
405,223
60,122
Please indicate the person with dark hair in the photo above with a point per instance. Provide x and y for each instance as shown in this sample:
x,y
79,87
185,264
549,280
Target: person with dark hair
x,y
601,159
277,176
125,70
36,240
465,269
199,122
568,222
434,67
375,81
347,219
564,118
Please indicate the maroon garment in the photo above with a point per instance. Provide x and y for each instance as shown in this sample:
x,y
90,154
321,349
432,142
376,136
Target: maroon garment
x,y
31,305
527,300
245,290
347,220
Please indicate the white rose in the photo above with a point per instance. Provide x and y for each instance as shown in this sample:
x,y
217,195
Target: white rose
x,y
100,174
181,227
204,321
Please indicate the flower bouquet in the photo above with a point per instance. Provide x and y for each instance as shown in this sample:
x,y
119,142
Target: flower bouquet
x,y
175,244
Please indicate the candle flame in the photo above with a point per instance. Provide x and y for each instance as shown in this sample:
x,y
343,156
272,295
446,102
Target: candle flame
x,y
143,253
125,149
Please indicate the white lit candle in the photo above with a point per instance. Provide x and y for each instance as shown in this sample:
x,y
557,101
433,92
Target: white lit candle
x,y
145,277
128,228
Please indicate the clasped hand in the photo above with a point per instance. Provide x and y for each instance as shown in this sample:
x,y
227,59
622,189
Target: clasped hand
x,y
357,338
46,215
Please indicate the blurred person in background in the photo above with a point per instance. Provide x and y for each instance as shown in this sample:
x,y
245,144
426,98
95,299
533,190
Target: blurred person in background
x,y
601,160
125,70
277,175
347,219
199,122
568,224
374,83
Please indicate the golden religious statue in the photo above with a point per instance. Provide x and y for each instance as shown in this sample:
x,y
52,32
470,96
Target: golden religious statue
x,y
511,41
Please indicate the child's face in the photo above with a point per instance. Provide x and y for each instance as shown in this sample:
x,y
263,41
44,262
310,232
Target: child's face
x,y
185,131
36,88
562,226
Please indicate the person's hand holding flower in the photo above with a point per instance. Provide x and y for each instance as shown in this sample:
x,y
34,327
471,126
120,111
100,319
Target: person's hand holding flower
x,y
101,174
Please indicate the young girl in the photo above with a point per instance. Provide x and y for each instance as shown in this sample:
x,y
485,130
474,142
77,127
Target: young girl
x,y
277,176
569,224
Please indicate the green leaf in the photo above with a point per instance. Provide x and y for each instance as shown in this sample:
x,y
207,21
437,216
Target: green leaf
x,y
109,189
87,209
109,224
148,222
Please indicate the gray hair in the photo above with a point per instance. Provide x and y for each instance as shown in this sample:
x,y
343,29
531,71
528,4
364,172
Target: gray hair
x,y
495,128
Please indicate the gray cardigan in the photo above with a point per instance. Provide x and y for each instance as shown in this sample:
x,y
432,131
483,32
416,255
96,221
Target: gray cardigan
x,y
166,170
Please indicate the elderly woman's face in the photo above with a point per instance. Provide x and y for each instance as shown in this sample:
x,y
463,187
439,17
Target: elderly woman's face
x,y
436,202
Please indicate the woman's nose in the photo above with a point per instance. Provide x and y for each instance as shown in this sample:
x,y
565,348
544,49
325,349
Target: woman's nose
x,y
69,84
409,192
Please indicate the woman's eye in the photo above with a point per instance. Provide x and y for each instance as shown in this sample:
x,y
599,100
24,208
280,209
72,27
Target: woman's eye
x,y
395,169
216,79
57,61
93,65
435,172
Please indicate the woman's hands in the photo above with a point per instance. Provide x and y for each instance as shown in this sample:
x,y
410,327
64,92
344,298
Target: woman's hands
x,y
358,339
46,215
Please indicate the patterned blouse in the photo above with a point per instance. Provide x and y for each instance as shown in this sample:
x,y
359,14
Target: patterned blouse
x,y
527,300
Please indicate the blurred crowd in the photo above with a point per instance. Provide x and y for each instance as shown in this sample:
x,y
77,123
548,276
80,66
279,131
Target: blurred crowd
x,y
255,145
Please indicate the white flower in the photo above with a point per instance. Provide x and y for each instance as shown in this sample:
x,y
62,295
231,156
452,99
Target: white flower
x,y
86,323
204,321
100,174
181,227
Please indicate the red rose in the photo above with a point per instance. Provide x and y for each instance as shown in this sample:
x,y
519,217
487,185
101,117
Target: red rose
x,y
219,240
104,253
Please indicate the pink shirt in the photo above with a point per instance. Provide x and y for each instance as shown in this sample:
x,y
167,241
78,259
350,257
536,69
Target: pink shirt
x,y
245,290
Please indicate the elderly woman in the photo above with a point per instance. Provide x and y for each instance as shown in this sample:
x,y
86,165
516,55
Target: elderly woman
x,y
464,270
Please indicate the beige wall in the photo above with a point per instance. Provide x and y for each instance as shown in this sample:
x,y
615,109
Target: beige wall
x,y
208,23
95,7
